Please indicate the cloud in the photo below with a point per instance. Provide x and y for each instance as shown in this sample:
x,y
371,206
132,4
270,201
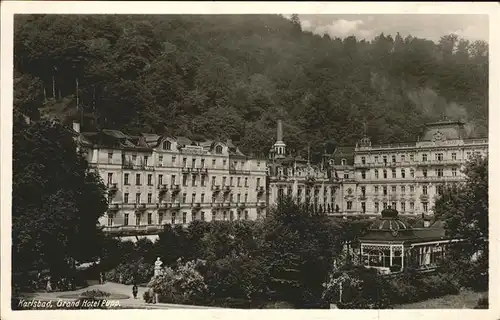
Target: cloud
x,y
338,28
367,26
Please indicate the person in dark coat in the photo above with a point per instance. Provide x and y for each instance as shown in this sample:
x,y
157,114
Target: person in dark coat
x,y
134,291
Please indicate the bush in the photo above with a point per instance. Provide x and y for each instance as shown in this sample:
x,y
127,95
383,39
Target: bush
x,y
408,288
395,268
138,272
95,294
148,296
182,285
482,303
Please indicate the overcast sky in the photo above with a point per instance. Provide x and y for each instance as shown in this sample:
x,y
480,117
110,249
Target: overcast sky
x,y
432,27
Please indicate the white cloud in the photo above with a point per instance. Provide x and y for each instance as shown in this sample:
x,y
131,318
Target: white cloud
x,y
338,28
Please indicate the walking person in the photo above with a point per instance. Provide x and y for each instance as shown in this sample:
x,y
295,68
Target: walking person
x,y
49,285
134,291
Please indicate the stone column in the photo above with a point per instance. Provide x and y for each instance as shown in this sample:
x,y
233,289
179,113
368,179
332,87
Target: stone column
x,y
390,260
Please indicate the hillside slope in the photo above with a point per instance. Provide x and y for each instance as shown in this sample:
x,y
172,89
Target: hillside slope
x,y
231,76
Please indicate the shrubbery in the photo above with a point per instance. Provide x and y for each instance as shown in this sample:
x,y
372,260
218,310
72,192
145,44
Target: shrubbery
x,y
182,285
408,288
133,272
95,294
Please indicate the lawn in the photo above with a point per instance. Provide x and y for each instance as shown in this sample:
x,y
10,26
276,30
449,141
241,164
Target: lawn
x,y
463,300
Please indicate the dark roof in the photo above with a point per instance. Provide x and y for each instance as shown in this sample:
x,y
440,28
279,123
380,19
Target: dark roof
x,y
451,130
389,227
346,153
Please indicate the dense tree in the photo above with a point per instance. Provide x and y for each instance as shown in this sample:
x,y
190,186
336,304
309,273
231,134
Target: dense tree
x,y
464,208
299,248
228,76
56,199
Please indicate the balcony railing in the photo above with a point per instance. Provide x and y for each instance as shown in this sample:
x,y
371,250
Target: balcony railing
x,y
215,188
112,187
176,188
226,189
442,178
260,190
239,171
114,207
140,206
131,166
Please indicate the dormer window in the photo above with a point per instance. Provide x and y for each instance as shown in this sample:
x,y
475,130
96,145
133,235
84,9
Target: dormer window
x,y
343,162
167,145
218,149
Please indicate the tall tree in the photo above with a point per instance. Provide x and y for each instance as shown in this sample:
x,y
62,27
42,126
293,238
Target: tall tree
x,y
299,247
56,199
464,208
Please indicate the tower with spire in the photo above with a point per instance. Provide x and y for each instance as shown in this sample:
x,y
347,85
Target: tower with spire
x,y
279,148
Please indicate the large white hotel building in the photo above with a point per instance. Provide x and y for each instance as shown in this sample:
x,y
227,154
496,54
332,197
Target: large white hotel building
x,y
155,180
406,176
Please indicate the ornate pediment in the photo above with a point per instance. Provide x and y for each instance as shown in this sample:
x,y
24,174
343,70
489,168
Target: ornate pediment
x,y
438,136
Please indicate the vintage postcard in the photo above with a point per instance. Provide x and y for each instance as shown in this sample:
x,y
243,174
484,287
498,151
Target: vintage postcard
x,y
219,157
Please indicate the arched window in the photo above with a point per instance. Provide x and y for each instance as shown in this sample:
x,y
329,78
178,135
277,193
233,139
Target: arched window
x,y
218,149
385,174
167,145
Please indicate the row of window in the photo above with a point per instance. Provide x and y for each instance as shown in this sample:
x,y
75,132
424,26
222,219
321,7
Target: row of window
x,y
439,189
126,198
167,145
174,219
424,157
402,207
135,160
439,172
194,180
300,194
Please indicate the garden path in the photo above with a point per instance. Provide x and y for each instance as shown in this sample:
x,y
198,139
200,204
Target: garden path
x,y
117,288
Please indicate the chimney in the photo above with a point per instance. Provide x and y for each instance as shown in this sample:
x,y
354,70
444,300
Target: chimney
x,y
76,126
229,142
279,136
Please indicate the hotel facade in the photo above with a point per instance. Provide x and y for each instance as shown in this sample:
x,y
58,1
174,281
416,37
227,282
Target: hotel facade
x,y
408,177
154,180
296,177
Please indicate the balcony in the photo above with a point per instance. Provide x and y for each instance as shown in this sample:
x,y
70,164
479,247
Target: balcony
x,y
164,206
262,204
226,189
186,170
176,188
196,205
140,206
131,166
215,188
203,171
242,205
133,229
239,171
112,187
260,190
114,207
163,188
441,179
424,197
175,206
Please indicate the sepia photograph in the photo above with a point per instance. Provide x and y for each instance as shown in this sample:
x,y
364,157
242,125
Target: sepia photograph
x,y
249,161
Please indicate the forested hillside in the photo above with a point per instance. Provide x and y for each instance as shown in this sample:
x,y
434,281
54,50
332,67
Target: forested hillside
x,y
231,76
